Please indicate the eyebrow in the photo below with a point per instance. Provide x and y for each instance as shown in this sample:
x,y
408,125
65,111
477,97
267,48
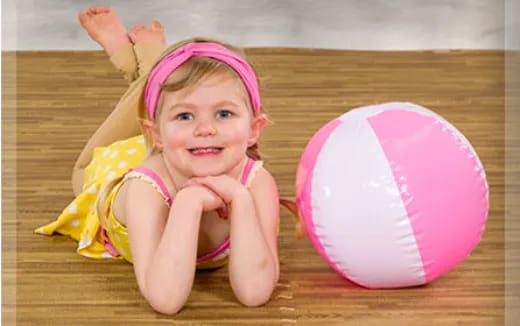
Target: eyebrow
x,y
193,106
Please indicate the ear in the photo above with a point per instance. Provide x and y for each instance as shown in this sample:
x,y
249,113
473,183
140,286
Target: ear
x,y
257,126
152,132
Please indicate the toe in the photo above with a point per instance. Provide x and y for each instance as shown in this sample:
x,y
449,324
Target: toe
x,y
99,10
131,35
137,27
156,26
83,17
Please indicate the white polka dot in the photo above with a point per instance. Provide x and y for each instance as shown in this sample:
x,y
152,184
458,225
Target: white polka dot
x,y
114,154
124,141
91,207
85,242
122,164
118,238
111,175
93,189
106,255
106,152
41,231
93,161
140,141
106,169
75,223
131,151
73,209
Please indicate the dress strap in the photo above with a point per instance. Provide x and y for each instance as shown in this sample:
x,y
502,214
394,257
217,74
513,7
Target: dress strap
x,y
249,171
154,178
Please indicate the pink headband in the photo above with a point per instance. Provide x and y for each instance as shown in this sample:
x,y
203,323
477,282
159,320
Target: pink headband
x,y
174,60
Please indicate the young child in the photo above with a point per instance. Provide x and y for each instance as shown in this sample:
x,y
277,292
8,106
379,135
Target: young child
x,y
191,193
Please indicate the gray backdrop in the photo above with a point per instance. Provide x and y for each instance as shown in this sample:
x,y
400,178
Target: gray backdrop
x,y
348,24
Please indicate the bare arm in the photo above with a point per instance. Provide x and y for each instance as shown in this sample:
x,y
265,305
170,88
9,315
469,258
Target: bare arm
x,y
254,265
254,215
164,244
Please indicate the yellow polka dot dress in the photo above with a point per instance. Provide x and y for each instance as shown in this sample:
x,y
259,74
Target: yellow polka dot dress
x,y
79,219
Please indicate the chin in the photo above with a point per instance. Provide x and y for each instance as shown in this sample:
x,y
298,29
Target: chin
x,y
207,172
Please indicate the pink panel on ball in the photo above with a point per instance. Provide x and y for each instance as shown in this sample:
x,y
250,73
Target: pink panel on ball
x,y
441,185
304,177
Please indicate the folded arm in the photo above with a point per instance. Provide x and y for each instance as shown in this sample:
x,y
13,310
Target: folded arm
x,y
163,244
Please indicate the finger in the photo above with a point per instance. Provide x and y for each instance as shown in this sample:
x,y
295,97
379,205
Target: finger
x,y
223,212
220,203
190,182
218,185
187,185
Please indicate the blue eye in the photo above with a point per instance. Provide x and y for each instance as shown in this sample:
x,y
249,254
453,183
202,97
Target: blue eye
x,y
184,116
224,114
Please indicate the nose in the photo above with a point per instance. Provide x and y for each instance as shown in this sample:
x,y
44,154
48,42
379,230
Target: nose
x,y
205,128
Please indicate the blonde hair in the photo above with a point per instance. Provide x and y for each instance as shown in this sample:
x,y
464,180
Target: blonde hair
x,y
193,71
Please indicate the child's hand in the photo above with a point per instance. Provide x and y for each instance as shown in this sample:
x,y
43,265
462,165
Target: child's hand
x,y
207,198
227,188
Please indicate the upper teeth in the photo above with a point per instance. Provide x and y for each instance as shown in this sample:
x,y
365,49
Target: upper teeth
x,y
205,150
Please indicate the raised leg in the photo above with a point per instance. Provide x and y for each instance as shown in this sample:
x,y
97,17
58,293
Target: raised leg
x,y
122,123
104,26
149,43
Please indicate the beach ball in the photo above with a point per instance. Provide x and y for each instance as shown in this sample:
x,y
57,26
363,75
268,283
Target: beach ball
x,y
391,195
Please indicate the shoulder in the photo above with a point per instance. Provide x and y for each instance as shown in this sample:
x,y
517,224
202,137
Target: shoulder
x,y
145,189
263,185
262,176
137,197
155,164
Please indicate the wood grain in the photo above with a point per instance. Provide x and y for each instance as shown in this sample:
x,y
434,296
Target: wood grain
x,y
61,97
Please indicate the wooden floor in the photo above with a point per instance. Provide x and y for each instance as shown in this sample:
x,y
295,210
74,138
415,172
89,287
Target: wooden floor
x,y
63,96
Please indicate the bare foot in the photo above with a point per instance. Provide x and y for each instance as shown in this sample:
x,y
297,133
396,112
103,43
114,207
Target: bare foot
x,y
141,33
104,27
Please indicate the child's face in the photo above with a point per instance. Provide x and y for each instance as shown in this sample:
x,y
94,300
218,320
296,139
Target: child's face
x,y
207,131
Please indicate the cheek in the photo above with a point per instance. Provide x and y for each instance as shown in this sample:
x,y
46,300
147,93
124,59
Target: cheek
x,y
238,134
175,137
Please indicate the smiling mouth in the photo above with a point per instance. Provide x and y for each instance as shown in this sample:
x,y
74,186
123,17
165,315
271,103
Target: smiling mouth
x,y
205,150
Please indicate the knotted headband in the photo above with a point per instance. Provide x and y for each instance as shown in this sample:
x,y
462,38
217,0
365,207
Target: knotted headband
x,y
174,60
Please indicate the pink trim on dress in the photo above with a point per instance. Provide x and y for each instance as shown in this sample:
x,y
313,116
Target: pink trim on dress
x,y
215,253
108,244
157,180
110,247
